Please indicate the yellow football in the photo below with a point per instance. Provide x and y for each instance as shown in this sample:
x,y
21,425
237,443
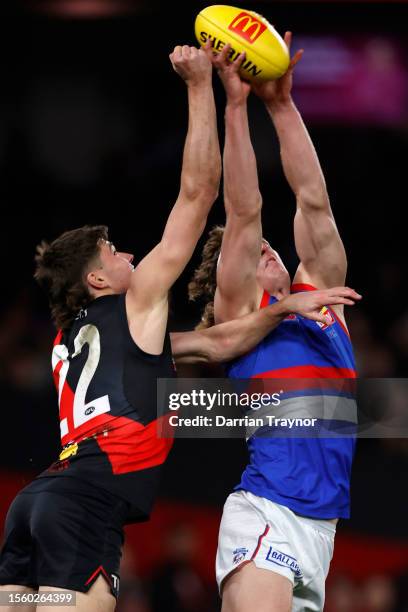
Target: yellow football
x,y
267,55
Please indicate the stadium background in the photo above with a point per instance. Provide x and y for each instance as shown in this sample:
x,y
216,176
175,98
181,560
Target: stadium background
x,y
92,125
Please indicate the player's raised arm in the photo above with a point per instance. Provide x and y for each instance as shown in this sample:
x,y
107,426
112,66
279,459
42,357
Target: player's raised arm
x,y
241,246
229,340
318,244
200,176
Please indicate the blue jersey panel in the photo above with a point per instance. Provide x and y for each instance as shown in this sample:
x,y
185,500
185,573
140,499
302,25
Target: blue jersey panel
x,y
311,476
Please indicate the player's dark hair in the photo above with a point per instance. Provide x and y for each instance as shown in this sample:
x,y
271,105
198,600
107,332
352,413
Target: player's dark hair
x,y
204,281
61,269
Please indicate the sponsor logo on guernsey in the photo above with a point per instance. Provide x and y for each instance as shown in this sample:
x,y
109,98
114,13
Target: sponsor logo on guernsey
x,y
239,555
247,26
328,315
279,558
68,451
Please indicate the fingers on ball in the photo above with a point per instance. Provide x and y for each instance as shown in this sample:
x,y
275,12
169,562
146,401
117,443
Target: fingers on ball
x,y
296,58
238,61
222,57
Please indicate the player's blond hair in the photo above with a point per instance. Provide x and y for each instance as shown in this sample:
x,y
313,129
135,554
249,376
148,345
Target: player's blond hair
x,y
204,282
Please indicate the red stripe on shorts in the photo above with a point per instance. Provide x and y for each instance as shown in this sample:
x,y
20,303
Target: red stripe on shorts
x,y
261,537
100,570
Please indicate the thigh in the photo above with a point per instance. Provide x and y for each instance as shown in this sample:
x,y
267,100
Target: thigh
x,y
315,549
253,588
16,558
98,599
78,537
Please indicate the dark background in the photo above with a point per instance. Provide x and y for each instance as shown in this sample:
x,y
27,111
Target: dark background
x,y
92,126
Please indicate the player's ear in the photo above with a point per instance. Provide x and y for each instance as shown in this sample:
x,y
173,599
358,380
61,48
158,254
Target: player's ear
x,y
96,280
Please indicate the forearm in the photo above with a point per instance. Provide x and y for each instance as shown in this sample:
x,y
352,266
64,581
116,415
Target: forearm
x,y
299,159
234,338
201,170
241,189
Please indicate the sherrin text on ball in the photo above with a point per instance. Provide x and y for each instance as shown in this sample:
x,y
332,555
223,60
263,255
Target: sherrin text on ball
x,y
267,56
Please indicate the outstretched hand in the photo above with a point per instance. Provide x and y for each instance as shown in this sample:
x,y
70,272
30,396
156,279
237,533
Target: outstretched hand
x,y
309,304
192,64
237,90
278,91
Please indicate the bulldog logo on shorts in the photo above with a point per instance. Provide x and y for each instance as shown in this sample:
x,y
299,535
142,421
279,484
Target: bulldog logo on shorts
x,y
239,555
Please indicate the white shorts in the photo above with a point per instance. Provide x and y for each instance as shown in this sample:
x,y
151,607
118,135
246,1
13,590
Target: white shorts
x,y
275,538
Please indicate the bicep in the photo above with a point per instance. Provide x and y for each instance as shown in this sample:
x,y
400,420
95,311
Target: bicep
x,y
319,248
236,271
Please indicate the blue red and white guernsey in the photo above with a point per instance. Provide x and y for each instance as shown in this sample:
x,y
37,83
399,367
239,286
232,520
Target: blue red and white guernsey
x,y
107,393
309,475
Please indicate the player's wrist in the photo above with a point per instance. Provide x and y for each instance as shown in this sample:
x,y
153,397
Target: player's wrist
x,y
235,107
281,309
280,106
199,85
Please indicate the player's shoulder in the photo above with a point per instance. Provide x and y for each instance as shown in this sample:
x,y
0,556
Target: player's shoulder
x,y
99,313
102,304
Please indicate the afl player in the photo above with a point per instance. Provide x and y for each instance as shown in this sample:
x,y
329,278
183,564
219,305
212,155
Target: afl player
x,y
64,531
277,532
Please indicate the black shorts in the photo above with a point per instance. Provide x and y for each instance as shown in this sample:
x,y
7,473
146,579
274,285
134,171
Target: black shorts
x,y
63,532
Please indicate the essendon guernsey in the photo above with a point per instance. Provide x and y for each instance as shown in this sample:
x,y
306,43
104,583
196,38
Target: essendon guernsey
x,y
108,408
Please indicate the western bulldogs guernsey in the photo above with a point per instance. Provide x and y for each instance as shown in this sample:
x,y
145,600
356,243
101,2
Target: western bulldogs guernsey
x,y
309,475
107,403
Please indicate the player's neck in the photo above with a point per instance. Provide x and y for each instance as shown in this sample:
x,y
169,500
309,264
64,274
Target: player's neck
x,y
277,292
96,293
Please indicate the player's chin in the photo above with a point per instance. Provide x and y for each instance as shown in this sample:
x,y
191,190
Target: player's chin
x,y
269,281
275,278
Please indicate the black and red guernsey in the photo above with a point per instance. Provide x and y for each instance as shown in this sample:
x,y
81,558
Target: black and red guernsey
x,y
107,392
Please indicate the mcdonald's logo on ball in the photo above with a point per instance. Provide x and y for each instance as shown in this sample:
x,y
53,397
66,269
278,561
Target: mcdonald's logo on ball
x,y
267,56
247,26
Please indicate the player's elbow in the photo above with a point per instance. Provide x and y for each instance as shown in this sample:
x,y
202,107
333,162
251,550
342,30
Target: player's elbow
x,y
203,187
199,193
313,198
221,349
244,208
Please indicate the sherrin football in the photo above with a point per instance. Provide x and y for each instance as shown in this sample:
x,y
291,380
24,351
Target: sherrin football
x,y
267,56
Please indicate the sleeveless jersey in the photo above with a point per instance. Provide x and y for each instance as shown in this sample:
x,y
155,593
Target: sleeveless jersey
x,y
309,475
108,408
